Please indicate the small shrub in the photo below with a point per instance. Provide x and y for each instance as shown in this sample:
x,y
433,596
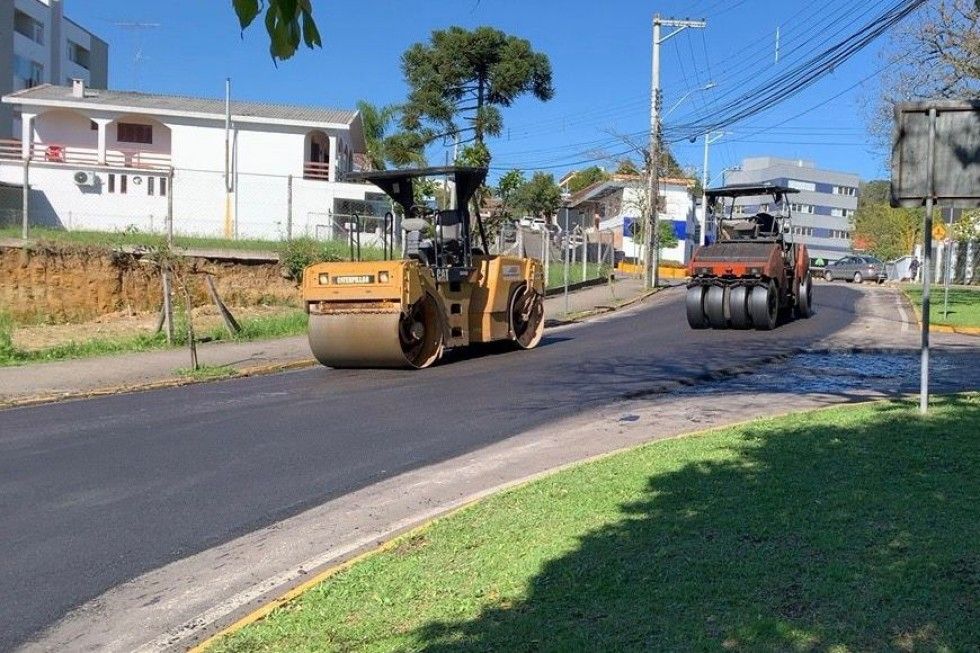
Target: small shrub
x,y
7,350
298,254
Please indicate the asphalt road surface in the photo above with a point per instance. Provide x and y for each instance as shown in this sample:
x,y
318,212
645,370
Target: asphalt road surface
x,y
96,492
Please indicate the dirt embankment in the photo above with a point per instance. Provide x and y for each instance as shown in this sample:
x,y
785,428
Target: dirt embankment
x,y
65,284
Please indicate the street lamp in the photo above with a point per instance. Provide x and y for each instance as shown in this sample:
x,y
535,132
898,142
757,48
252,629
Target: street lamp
x,y
709,138
708,86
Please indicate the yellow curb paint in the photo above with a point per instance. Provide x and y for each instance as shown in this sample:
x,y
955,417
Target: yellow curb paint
x,y
941,328
263,611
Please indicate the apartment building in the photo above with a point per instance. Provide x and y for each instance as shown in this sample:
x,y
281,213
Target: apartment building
x,y
822,210
38,45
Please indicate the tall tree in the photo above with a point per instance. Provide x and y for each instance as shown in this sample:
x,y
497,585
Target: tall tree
x,y
287,22
878,228
539,197
585,178
627,167
464,76
935,56
507,187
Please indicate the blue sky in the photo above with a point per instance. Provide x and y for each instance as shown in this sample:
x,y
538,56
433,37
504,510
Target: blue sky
x,y
600,54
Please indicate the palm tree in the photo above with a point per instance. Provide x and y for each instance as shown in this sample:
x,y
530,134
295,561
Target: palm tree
x,y
382,147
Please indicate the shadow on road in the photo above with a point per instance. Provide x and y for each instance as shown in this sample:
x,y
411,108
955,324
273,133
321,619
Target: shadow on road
x,y
792,540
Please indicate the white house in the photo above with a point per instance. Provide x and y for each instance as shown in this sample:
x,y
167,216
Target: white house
x,y
617,204
39,44
108,160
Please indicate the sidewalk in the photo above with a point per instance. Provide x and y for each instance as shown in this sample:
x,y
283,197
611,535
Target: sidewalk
x,y
118,373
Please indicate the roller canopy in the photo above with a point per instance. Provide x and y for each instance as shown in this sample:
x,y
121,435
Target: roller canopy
x,y
398,183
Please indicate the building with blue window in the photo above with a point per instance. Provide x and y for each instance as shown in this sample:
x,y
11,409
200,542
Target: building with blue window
x,y
822,211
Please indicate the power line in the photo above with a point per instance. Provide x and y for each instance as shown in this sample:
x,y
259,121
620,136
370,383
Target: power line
x,y
784,86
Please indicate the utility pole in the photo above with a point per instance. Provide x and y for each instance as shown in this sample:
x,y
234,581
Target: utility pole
x,y
708,140
651,246
228,185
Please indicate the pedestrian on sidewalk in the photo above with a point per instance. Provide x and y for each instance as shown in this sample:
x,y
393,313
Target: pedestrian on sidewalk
x,y
914,269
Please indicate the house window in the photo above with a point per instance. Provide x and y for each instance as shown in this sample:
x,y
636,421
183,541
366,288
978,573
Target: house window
x,y
841,213
801,208
802,185
112,183
122,184
127,132
149,185
163,186
28,26
845,190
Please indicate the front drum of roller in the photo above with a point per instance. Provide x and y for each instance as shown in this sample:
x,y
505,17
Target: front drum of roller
x,y
382,339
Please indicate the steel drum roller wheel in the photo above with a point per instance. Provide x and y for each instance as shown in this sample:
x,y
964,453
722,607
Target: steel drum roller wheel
x,y
527,317
410,338
738,308
714,307
764,306
695,308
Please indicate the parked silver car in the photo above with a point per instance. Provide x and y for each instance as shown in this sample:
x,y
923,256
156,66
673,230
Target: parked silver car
x,y
856,268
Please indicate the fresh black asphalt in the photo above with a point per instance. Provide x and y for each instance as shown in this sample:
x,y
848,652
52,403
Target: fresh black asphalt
x,y
96,492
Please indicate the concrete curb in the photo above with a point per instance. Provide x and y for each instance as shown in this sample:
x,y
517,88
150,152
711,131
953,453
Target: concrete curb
x,y
177,381
601,310
255,370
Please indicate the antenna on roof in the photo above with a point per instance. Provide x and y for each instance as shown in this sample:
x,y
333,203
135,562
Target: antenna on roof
x,y
137,29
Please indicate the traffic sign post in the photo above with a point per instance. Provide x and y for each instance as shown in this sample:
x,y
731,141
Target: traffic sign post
x,y
948,258
931,136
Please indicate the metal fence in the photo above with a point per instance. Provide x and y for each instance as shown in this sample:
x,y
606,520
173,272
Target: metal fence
x,y
585,255
187,202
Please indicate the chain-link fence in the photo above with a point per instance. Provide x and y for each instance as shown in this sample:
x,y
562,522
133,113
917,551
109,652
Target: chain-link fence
x,y
190,203
579,256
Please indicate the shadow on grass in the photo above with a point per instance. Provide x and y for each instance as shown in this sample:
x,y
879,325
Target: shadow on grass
x,y
803,540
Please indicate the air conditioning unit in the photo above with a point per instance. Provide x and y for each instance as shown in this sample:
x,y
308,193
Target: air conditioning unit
x,y
84,178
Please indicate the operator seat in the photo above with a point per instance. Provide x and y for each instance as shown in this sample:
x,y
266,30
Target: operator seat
x,y
449,226
767,224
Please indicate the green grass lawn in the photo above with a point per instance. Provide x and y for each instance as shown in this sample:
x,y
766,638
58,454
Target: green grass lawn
x,y
556,273
964,305
331,250
259,328
851,529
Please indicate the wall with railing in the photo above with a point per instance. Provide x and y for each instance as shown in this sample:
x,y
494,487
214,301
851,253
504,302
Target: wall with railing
x,y
68,155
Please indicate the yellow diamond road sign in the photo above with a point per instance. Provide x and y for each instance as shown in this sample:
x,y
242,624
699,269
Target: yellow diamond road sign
x,y
939,231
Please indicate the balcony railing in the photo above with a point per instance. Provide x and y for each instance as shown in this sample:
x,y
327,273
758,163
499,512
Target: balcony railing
x,y
316,170
71,155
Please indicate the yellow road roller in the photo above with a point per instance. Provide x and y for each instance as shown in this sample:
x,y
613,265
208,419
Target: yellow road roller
x,y
443,290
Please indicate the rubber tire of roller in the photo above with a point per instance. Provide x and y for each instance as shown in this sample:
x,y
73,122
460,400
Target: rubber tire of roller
x,y
714,307
738,299
804,304
764,306
531,336
695,307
